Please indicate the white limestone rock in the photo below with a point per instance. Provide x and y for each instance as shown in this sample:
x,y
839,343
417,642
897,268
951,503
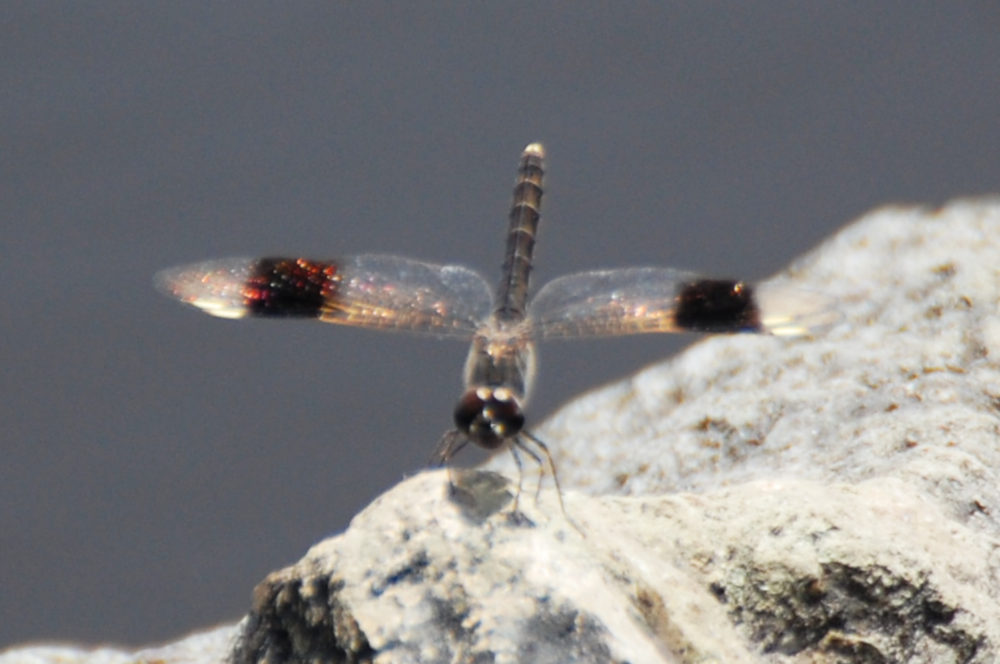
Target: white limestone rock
x,y
211,646
755,499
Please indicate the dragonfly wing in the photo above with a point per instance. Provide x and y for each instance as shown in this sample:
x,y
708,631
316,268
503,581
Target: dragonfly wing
x,y
792,312
652,299
370,290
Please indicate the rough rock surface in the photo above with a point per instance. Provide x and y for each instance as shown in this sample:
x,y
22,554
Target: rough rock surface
x,y
211,646
756,499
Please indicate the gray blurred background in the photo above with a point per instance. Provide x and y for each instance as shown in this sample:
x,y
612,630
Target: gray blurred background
x,y
157,463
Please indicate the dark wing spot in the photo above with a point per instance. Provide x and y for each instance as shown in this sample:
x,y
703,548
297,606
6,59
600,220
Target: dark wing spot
x,y
290,287
713,305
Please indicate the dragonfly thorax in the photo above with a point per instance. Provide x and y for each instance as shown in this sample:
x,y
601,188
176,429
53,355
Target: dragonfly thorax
x,y
489,415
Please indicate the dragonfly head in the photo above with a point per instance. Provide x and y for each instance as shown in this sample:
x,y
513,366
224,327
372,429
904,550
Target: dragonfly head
x,y
489,416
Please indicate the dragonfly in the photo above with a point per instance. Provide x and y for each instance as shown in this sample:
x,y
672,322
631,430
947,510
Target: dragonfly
x,y
394,293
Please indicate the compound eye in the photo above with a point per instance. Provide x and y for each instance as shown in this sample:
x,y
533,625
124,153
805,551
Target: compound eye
x,y
506,416
468,410
487,419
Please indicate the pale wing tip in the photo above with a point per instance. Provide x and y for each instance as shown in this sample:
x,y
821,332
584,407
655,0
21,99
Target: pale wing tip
x,y
215,287
534,150
790,312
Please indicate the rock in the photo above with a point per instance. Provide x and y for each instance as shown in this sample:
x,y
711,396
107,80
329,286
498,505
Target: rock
x,y
756,499
211,646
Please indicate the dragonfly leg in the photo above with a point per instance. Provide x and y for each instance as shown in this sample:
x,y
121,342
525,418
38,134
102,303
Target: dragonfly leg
x,y
520,473
449,445
552,467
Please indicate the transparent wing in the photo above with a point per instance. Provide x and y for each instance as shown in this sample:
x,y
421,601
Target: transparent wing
x,y
373,291
650,299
